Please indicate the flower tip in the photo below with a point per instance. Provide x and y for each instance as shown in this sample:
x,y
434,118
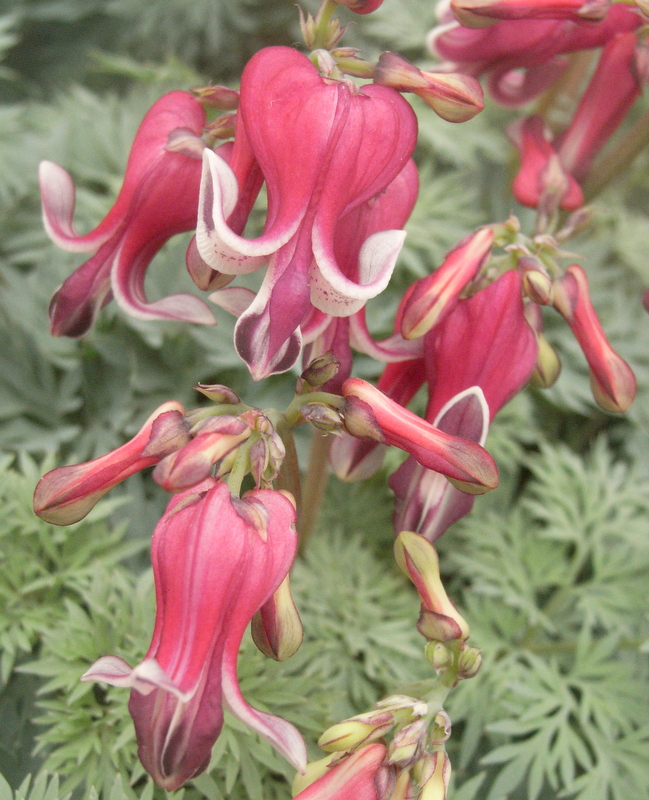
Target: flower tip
x,y
621,394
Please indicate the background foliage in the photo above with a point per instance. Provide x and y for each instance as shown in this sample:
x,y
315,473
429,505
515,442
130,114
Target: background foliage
x,y
551,570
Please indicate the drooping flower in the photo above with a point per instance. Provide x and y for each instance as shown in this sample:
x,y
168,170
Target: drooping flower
x,y
476,359
322,332
369,414
523,57
158,199
325,147
66,494
622,71
216,560
612,380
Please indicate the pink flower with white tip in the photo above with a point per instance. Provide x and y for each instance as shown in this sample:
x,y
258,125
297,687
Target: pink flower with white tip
x,y
158,199
325,147
217,560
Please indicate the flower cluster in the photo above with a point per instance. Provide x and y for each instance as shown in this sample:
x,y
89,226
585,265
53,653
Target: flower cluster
x,y
335,157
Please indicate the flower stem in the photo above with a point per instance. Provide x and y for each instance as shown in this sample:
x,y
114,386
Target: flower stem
x,y
609,167
314,485
289,476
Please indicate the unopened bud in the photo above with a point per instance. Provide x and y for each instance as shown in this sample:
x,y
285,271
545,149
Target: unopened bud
x,y
276,627
537,284
403,708
354,732
218,97
548,364
322,417
408,744
436,787
321,370
218,394
418,559
222,127
433,297
453,96
482,13
438,655
469,662
612,380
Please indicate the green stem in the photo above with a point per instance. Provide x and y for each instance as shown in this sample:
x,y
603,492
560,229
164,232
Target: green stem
x,y
314,485
289,476
240,467
322,20
609,167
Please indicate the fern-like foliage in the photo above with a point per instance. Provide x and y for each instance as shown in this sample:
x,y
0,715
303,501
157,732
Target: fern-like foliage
x,y
560,708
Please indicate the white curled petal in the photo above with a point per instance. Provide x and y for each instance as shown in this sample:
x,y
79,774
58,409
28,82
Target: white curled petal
x,y
217,244
59,198
339,296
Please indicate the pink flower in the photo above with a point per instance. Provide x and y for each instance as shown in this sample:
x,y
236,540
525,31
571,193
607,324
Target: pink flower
x,y
323,332
216,560
612,380
359,776
158,199
430,299
622,72
554,168
65,495
477,359
369,414
541,171
325,147
523,57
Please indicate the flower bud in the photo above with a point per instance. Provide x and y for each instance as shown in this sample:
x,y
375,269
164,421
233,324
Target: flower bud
x,y
214,438
65,495
222,127
356,731
537,284
218,97
321,370
452,96
612,380
436,787
418,559
322,417
276,627
469,662
371,414
438,655
482,13
408,743
548,364
432,298
218,394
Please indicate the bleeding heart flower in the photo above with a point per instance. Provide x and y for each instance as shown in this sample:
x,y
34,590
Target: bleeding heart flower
x,y
158,199
477,359
217,560
325,147
523,57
